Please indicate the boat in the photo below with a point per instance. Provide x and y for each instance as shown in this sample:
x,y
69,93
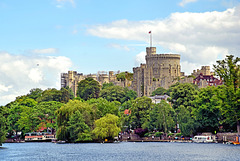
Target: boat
x,y
202,139
39,136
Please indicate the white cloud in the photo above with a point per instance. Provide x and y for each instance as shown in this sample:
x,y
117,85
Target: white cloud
x,y
140,58
200,38
19,74
45,51
62,2
184,2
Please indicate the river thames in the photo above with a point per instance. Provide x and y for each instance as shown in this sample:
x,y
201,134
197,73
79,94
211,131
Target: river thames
x,y
118,151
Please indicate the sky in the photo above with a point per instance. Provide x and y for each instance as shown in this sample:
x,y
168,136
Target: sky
x,y
41,39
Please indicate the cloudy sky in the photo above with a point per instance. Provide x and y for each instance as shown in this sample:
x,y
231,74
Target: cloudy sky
x,y
42,38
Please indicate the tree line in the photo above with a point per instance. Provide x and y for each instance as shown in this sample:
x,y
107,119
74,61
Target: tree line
x,y
97,112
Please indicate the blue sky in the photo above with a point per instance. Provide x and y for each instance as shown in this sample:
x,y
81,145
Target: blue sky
x,y
40,39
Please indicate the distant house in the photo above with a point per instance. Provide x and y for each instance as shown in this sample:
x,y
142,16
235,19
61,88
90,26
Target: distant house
x,y
158,98
206,80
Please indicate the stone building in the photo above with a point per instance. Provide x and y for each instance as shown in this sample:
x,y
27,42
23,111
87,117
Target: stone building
x,y
160,70
72,78
203,81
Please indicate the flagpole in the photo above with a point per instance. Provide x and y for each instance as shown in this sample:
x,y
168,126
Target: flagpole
x,y
150,32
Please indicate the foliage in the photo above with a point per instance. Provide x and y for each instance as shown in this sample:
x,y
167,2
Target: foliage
x,y
161,117
50,95
158,134
77,128
117,93
207,111
159,91
88,88
3,112
67,94
183,94
141,132
186,121
146,134
65,112
170,134
106,85
178,134
106,127
229,71
35,93
103,107
140,111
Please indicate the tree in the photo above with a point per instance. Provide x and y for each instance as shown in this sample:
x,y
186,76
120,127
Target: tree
x,y
50,95
79,131
229,71
121,76
106,127
46,111
113,93
3,112
65,112
35,93
159,91
67,94
140,110
161,117
207,111
182,98
88,88
103,107
106,85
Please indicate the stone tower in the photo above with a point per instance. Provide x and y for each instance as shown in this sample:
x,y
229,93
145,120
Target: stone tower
x,y
160,70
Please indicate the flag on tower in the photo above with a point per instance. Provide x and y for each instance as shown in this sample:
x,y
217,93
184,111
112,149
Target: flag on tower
x,y
149,32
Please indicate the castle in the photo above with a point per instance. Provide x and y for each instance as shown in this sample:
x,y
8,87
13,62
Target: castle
x,y
160,70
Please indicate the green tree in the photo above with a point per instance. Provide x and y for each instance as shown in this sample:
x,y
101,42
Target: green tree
x,y
35,93
67,94
65,112
113,93
229,71
121,76
161,117
46,111
186,122
159,91
103,107
140,110
3,131
207,111
106,127
182,98
78,130
106,85
50,95
88,88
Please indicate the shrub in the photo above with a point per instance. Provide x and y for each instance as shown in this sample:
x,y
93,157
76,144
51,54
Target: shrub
x,y
146,135
170,134
140,131
158,134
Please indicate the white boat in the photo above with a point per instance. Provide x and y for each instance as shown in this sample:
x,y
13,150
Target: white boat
x,y
202,139
39,136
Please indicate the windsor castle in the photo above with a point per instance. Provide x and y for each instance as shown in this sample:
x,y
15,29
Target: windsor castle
x,y
160,70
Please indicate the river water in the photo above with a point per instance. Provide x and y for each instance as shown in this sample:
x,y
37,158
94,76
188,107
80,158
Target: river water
x,y
118,151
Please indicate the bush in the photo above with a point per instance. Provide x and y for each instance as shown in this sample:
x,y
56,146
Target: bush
x,y
140,131
158,134
146,135
170,134
178,134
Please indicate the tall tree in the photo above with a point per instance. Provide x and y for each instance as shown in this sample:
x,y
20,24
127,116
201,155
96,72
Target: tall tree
x,y
229,71
207,111
106,127
3,132
140,110
88,88
161,117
